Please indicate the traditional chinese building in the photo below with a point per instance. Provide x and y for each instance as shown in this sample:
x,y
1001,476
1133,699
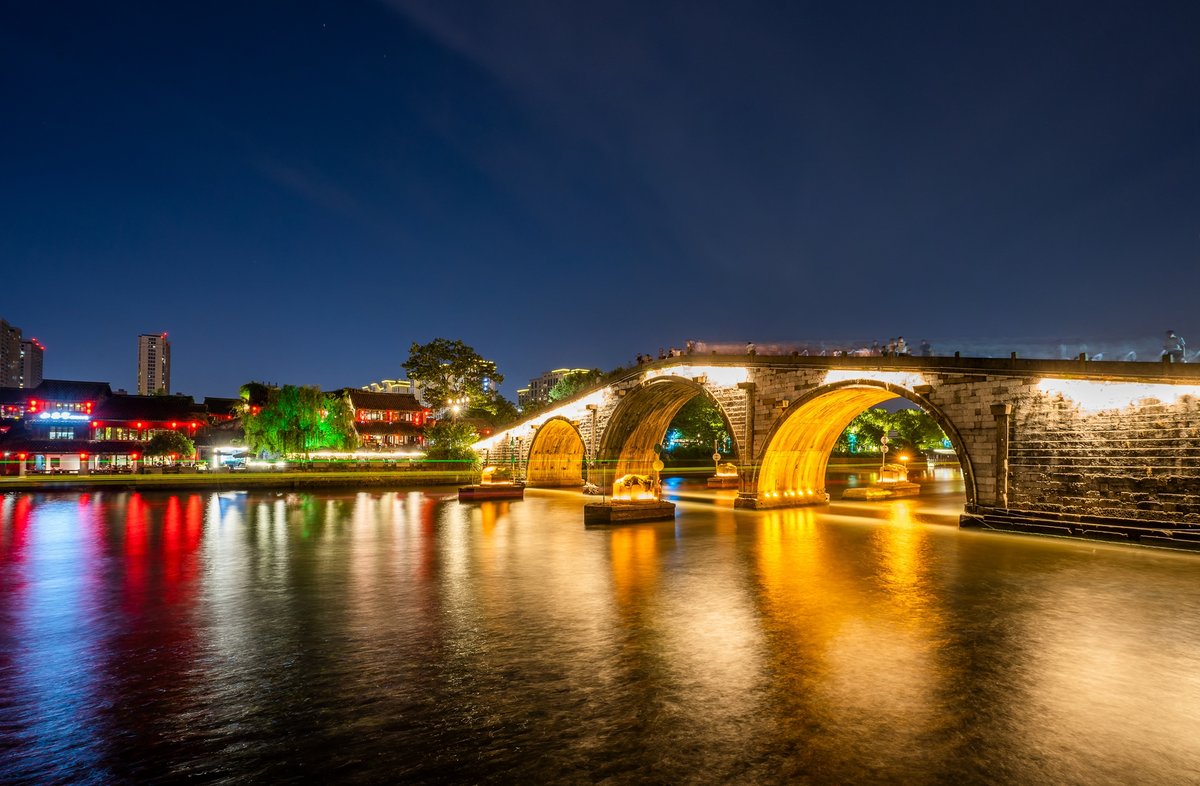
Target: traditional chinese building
x,y
80,427
387,421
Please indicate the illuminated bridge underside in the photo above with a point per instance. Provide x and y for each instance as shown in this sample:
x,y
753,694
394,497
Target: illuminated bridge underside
x,y
793,468
640,424
556,456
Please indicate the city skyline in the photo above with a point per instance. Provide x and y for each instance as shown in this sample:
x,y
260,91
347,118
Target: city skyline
x,y
299,194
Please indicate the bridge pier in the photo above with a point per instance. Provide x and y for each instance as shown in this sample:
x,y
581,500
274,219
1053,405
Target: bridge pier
x,y
753,501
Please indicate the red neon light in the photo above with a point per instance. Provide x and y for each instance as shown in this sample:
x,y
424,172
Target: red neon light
x,y
95,423
133,456
21,456
193,424
174,424
138,424
33,405
82,455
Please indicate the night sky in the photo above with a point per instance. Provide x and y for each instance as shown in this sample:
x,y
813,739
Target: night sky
x,y
297,191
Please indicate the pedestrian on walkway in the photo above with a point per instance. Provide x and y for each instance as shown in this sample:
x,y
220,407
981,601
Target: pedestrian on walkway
x,y
1174,348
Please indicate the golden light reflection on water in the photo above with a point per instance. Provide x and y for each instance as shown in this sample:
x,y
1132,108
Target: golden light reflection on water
x,y
860,636
634,563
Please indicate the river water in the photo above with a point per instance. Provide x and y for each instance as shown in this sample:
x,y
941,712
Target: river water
x,y
405,637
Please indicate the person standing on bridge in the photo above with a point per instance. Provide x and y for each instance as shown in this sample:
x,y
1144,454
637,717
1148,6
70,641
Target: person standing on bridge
x,y
926,348
1175,348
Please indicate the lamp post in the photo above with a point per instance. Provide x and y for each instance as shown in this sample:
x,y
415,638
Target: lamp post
x,y
592,442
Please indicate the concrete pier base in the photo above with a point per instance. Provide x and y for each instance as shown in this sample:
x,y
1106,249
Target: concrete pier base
x,y
883,491
478,493
627,512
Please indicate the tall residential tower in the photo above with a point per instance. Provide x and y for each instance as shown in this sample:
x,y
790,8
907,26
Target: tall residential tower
x,y
10,355
154,364
32,355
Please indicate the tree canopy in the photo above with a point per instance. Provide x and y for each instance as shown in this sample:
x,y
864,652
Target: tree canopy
x,y
911,430
297,419
170,443
496,410
573,383
449,370
451,440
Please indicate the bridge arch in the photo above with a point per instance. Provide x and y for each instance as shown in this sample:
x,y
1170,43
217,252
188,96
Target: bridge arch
x,y
556,455
793,464
638,424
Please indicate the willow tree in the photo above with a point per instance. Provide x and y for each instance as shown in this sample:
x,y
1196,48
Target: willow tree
x,y
299,419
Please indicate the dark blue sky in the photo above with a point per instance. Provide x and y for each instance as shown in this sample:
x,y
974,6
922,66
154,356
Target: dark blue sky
x,y
297,191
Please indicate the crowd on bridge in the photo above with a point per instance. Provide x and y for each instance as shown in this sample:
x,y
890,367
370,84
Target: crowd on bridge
x,y
896,347
1174,350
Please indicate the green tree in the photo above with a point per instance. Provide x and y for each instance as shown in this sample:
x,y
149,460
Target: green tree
x,y
298,419
170,443
695,428
573,383
911,430
496,410
336,429
451,440
450,370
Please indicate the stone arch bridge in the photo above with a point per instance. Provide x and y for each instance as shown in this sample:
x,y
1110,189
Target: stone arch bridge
x,y
1098,449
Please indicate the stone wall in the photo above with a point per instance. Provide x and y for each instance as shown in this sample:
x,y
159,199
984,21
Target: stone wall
x,y
1139,462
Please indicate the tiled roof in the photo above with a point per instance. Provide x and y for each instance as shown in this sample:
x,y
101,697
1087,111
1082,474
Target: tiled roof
x,y
365,399
69,390
221,406
14,395
150,408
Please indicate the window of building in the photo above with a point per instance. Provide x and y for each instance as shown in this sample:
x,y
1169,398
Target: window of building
x,y
61,432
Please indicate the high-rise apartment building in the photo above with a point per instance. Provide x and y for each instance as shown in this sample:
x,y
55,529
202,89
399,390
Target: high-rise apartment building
x,y
10,355
539,387
32,355
154,364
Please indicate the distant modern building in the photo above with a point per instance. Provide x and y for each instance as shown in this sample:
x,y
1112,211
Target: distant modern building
x,y
539,387
154,364
10,355
32,356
